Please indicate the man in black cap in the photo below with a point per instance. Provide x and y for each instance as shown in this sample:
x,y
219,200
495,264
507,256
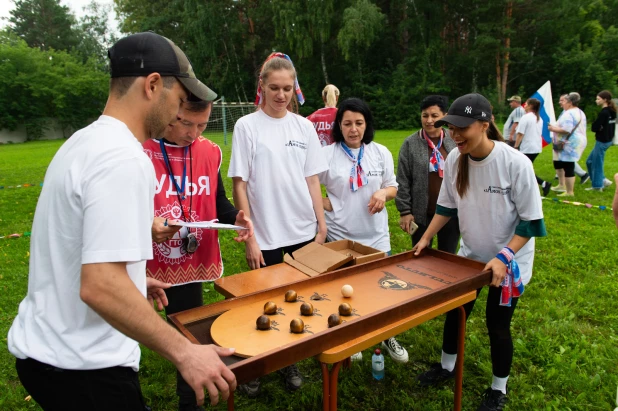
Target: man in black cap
x,y
77,331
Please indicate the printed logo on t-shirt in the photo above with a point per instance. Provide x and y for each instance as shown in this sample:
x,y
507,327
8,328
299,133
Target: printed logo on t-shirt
x,y
377,173
171,251
295,143
498,190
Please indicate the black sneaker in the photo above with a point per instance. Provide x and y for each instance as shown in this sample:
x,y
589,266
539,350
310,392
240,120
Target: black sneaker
x,y
585,178
250,389
435,375
292,377
546,189
493,400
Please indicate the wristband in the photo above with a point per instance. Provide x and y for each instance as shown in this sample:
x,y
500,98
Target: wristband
x,y
506,255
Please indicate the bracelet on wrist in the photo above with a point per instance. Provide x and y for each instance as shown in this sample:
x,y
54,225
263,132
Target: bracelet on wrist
x,y
506,255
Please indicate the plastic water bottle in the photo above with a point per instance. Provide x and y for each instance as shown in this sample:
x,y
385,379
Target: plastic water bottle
x,y
377,364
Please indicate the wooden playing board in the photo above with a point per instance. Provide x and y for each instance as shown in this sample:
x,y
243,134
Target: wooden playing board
x,y
385,291
374,290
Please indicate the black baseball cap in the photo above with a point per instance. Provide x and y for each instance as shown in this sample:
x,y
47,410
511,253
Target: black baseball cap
x,y
145,53
466,110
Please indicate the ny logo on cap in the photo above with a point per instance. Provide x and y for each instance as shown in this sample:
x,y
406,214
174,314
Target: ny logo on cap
x,y
468,110
483,114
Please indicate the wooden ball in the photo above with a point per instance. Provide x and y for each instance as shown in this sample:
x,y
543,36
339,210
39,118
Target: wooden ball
x,y
345,309
306,309
333,320
347,290
297,326
270,308
290,296
263,323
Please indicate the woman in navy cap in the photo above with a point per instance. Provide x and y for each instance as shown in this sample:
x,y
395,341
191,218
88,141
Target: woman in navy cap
x,y
492,189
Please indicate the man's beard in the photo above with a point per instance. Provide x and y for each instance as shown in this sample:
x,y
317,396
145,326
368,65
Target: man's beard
x,y
156,120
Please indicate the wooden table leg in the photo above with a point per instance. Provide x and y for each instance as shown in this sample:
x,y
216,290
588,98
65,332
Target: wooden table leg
x,y
325,386
230,402
334,373
460,359
329,386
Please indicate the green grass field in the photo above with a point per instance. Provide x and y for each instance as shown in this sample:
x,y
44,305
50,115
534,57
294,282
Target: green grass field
x,y
566,344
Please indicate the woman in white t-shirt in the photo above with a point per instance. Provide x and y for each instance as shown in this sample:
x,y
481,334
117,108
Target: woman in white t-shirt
x,y
359,181
492,189
529,138
276,159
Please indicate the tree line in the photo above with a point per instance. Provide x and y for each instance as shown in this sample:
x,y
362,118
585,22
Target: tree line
x,y
389,52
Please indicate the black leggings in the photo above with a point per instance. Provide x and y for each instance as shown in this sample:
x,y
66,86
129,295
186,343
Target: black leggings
x,y
498,320
532,157
181,298
568,166
275,256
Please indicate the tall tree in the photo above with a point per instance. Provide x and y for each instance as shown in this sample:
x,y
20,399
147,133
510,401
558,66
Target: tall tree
x,y
94,34
44,24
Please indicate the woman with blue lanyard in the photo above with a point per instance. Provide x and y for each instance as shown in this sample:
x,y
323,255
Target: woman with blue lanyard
x,y
359,181
492,189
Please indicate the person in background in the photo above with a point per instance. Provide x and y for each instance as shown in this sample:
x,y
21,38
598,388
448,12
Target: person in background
x,y
419,174
570,129
615,202
604,127
276,159
529,137
185,257
584,177
359,181
513,120
324,118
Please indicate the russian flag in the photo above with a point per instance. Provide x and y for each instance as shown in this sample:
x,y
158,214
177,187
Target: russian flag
x,y
547,112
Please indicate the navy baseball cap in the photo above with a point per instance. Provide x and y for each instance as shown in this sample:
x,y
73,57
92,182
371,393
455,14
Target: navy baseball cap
x,y
145,53
466,110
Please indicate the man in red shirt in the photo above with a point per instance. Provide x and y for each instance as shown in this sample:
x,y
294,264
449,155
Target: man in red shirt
x,y
188,187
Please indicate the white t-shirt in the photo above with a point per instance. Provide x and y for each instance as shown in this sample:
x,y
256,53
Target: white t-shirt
x,y
350,218
502,192
274,156
96,206
532,129
514,117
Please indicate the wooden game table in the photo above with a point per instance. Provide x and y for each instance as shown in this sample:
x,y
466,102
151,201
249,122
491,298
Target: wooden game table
x,y
391,295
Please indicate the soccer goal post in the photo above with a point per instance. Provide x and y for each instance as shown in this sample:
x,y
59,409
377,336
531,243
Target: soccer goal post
x,y
223,118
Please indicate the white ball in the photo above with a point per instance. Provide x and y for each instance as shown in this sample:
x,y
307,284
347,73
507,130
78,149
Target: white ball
x,y
347,290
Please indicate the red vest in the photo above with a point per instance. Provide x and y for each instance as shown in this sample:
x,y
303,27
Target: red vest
x,y
323,121
171,263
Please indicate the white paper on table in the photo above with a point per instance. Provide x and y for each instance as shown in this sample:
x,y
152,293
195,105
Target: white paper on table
x,y
210,225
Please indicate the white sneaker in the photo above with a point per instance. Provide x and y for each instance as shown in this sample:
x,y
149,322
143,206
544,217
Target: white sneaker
x,y
357,357
558,188
607,182
593,189
396,351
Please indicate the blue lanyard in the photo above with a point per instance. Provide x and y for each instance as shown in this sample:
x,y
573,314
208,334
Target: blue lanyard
x,y
179,189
